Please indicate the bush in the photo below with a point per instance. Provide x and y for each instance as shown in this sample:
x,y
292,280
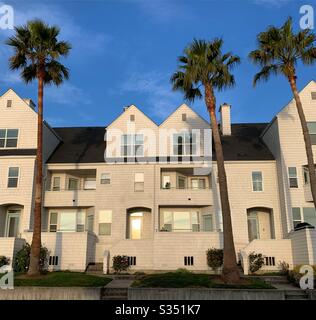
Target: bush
x,y
294,277
182,271
284,268
22,259
4,261
256,262
215,258
120,263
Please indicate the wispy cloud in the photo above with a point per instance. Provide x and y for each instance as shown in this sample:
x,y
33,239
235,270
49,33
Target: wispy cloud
x,y
272,3
155,88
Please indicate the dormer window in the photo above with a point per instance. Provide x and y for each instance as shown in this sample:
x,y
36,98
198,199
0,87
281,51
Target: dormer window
x,y
9,103
9,138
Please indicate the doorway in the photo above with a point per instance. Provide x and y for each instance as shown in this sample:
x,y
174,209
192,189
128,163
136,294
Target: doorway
x,y
13,223
136,225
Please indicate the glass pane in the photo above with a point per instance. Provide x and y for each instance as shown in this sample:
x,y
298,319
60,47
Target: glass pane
x,y
105,229
136,228
105,216
2,143
311,127
56,184
139,139
12,182
181,221
194,183
310,216
207,222
90,222
313,138
73,184
253,229
67,221
13,172
195,217
11,143
296,213
81,217
90,184
139,150
53,218
257,176
202,184
166,182
12,133
2,133
53,228
181,183
13,227
167,217
292,172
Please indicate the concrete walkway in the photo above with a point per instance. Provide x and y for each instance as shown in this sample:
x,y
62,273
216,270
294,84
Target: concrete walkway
x,y
119,283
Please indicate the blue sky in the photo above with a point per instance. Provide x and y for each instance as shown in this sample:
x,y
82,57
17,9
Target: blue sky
x,y
125,51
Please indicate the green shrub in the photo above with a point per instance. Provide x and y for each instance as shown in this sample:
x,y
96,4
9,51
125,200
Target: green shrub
x,y
284,268
22,259
4,261
182,271
215,258
256,261
120,263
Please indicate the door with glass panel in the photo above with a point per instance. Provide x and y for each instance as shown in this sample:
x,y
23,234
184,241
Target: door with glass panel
x,y
136,225
13,221
253,227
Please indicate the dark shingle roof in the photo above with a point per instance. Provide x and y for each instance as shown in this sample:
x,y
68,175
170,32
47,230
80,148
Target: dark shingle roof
x,y
86,144
79,145
245,143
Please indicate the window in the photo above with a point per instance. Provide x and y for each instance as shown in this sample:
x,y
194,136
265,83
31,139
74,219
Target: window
x,y
89,184
312,131
195,222
166,184
105,222
309,215
313,95
56,184
167,221
13,177
293,177
73,184
132,118
184,117
207,222
53,222
184,144
306,175
105,178
296,215
132,145
68,221
9,103
257,181
181,182
81,217
9,138
198,183
181,221
139,181
90,222
189,261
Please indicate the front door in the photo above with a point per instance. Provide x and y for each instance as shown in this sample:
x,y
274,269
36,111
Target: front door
x,y
13,221
253,230
136,224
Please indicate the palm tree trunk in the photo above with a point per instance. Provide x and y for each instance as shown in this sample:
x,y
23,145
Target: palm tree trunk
x,y
307,139
34,268
230,269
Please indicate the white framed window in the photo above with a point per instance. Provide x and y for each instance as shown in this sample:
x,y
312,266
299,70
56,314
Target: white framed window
x,y
105,178
9,138
81,219
13,177
132,145
73,184
306,175
166,182
181,182
296,215
139,181
207,220
293,177
68,221
184,144
89,183
53,221
180,221
198,183
56,184
105,222
312,131
257,184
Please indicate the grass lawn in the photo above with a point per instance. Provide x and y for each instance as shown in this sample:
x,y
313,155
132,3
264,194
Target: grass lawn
x,y
193,280
62,279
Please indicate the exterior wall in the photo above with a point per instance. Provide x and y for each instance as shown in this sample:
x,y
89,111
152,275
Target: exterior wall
x,y
9,247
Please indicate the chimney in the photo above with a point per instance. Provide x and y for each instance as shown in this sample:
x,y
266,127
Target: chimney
x,y
225,119
30,103
125,108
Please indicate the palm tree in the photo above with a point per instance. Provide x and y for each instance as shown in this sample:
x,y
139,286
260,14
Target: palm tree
x,y
36,54
279,51
203,66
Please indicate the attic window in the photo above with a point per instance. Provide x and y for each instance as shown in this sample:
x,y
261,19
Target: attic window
x,y
313,94
132,118
184,117
9,103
